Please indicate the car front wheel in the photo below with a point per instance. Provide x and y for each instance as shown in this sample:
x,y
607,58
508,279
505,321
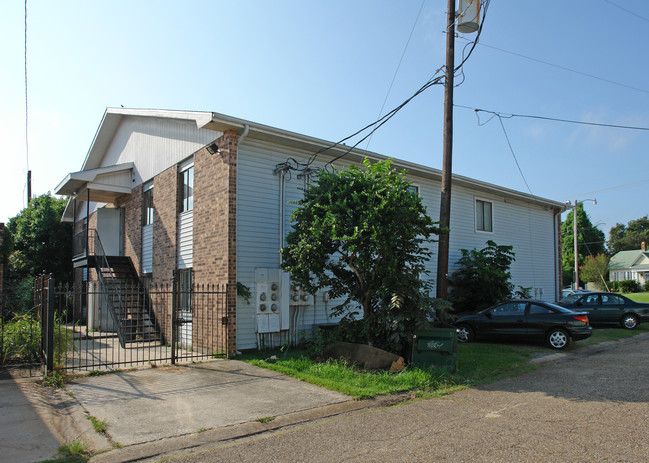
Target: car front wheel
x,y
629,322
558,339
464,333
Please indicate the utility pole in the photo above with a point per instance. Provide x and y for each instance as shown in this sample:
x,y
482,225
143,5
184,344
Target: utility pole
x,y
575,277
445,203
29,186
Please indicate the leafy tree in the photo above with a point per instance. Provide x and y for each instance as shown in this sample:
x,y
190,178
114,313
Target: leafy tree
x,y
629,237
483,278
38,243
362,234
590,241
594,268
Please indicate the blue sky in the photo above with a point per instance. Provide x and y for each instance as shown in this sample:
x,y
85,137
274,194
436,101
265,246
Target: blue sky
x,y
324,69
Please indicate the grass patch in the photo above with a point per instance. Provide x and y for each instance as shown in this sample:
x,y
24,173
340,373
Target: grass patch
x,y
103,372
266,419
638,297
99,425
477,363
344,378
605,333
74,452
56,380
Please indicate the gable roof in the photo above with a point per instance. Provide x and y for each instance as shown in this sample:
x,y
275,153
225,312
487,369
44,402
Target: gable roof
x,y
113,117
634,259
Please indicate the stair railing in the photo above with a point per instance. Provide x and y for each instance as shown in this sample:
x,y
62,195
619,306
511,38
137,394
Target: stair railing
x,y
109,288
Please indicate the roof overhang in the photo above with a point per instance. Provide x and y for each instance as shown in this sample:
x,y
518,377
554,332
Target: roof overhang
x,y
221,122
103,185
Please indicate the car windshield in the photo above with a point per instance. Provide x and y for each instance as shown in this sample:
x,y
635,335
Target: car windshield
x,y
570,299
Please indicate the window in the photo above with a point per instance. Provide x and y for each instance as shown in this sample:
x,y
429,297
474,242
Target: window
x,y
592,299
414,189
185,279
509,309
147,207
187,189
483,216
538,310
609,299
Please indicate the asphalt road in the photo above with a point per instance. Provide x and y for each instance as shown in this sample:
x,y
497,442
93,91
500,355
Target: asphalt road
x,y
584,409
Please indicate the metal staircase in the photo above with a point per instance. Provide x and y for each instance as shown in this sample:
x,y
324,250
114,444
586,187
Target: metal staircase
x,y
125,296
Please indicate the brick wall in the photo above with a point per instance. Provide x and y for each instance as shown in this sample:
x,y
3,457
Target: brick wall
x,y
133,225
215,228
165,239
165,225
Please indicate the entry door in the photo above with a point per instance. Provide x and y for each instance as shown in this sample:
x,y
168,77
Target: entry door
x,y
110,226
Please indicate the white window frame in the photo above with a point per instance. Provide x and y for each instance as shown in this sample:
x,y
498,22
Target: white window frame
x,y
147,216
413,188
184,167
475,214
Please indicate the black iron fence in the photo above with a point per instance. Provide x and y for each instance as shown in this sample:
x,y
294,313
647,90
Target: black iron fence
x,y
71,329
20,337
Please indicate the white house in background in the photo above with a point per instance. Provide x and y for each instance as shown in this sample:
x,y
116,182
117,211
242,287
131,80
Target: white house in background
x,y
211,195
630,265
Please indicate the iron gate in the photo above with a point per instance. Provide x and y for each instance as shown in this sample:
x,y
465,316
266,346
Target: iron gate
x,y
81,334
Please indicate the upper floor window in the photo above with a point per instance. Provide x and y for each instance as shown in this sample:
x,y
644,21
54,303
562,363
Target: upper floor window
x,y
414,189
484,215
187,189
147,207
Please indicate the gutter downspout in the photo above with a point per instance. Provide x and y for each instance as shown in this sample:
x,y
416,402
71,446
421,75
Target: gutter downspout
x,y
244,134
557,255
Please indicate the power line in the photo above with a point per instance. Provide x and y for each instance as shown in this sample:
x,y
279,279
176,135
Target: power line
x,y
398,65
513,154
28,182
432,81
553,119
377,124
618,187
628,11
292,164
26,100
564,68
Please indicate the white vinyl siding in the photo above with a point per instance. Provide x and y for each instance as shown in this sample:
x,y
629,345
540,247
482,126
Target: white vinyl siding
x,y
154,144
258,228
530,229
186,240
147,249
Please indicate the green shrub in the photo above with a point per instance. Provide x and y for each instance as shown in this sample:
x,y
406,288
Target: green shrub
x,y
624,286
20,340
645,287
483,278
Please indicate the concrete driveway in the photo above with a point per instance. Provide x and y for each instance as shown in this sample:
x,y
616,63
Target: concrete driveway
x,y
28,431
170,409
584,409
170,401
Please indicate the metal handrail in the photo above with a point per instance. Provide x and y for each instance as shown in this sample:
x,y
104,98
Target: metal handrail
x,y
80,244
101,261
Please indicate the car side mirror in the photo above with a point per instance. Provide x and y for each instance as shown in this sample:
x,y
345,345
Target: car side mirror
x,y
487,314
578,303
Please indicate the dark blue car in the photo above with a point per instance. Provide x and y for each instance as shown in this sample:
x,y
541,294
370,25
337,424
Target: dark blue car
x,y
525,319
604,307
